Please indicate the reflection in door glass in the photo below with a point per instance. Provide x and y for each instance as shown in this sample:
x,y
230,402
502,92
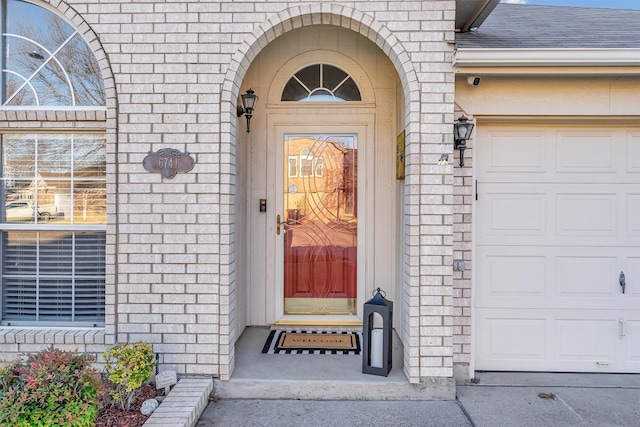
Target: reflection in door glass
x,y
320,265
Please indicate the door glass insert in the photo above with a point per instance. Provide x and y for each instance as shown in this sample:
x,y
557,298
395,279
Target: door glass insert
x,y
320,242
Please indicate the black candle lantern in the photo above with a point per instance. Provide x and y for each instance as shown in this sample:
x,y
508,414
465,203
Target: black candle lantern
x,y
377,348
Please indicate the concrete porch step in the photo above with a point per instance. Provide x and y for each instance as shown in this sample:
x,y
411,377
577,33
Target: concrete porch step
x,y
318,377
330,390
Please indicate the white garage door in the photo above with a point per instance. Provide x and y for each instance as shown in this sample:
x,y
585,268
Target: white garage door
x,y
557,220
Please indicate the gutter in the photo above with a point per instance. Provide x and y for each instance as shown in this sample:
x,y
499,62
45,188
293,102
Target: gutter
x,y
571,57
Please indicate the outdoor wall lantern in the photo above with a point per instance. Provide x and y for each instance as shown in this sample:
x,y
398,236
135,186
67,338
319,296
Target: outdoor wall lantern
x,y
461,133
376,345
249,100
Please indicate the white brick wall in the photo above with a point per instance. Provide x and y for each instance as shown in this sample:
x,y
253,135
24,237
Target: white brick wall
x,y
464,192
173,75
16,341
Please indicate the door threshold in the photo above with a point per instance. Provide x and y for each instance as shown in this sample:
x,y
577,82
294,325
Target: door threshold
x,y
318,325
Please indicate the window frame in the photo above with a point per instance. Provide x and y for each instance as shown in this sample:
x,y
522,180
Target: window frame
x,y
312,92
66,119
38,227
4,67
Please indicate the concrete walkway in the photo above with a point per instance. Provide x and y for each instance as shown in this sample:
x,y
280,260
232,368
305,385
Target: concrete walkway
x,y
522,400
326,413
559,406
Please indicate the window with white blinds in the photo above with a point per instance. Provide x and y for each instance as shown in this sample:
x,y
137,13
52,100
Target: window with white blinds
x,y
52,184
53,276
53,229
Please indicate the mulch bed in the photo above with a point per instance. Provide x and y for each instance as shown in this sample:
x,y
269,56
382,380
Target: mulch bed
x,y
114,417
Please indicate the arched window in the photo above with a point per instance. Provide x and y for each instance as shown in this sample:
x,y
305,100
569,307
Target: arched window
x,y
53,183
46,62
321,83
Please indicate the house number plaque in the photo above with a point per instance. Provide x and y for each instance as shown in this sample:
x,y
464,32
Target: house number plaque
x,y
168,162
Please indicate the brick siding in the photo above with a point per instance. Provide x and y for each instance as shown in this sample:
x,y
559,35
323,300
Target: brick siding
x,y
173,72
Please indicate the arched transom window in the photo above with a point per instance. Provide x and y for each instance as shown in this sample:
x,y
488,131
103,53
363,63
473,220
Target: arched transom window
x,y
46,62
321,82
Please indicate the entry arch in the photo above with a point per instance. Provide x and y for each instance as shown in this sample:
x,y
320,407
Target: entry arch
x,y
232,131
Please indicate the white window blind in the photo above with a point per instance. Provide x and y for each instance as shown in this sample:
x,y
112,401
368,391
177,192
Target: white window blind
x,y
53,277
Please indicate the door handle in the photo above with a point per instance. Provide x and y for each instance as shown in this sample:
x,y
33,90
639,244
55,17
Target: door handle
x,y
280,223
622,281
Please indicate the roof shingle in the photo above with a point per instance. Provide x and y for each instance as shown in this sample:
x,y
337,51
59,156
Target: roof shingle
x,y
521,26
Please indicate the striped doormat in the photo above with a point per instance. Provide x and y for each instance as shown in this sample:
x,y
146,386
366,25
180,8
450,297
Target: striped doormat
x,y
312,342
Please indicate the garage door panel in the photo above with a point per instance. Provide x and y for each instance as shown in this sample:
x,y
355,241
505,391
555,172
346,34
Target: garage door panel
x,y
585,277
633,208
555,277
557,340
557,216
516,151
508,213
545,154
586,214
512,276
592,340
585,152
633,150
567,214
632,341
517,214
632,278
515,338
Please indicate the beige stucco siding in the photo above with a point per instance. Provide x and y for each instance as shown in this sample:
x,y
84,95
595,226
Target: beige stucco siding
x,y
550,95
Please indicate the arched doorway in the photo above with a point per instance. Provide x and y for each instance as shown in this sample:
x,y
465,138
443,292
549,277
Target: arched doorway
x,y
325,165
395,112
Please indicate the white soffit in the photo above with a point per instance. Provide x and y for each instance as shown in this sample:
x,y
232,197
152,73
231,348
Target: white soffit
x,y
546,57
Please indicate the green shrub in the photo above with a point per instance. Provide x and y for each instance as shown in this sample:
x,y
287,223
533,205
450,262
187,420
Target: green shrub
x,y
50,388
128,366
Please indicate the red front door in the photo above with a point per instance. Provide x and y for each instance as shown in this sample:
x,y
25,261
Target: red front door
x,y
321,215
